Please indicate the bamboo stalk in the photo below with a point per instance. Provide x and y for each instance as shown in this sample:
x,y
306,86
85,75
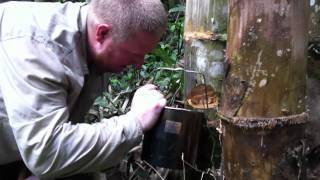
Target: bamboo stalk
x,y
263,102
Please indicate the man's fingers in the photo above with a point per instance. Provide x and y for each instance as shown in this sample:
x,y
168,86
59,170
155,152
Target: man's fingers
x,y
147,104
162,102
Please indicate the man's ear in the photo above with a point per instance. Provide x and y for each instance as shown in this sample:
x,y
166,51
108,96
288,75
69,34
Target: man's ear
x,y
102,31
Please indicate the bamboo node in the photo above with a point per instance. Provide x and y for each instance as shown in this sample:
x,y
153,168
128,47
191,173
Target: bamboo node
x,y
203,36
267,123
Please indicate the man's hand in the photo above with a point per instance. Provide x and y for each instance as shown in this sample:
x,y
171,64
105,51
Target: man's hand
x,y
147,103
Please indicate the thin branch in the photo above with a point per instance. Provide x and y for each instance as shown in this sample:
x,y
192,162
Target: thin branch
x,y
194,168
154,170
134,173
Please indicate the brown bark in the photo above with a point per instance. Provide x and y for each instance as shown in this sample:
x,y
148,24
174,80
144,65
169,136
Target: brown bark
x,y
263,102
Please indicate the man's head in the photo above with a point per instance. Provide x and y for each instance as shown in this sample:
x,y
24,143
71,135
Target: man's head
x,y
121,32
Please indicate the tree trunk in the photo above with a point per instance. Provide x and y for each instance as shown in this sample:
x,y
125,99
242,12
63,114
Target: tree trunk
x,y
314,24
205,43
263,102
204,35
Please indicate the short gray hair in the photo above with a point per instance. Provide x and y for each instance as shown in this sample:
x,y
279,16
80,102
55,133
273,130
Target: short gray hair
x,y
127,17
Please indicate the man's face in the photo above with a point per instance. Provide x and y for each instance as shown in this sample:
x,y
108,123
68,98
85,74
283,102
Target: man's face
x,y
116,56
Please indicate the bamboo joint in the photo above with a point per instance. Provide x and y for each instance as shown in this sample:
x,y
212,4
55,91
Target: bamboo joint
x,y
266,123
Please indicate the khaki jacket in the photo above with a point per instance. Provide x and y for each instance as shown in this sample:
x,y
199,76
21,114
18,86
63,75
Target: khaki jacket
x,y
46,88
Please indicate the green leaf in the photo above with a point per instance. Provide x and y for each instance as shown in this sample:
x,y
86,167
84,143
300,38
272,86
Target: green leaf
x,y
101,101
179,8
173,28
143,74
161,53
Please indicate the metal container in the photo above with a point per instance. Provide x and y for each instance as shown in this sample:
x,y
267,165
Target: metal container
x,y
176,132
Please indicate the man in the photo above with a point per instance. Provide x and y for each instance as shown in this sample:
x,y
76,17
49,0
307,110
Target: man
x,y
52,60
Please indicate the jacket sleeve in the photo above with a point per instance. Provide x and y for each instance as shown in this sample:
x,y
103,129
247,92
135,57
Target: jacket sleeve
x,y
35,91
